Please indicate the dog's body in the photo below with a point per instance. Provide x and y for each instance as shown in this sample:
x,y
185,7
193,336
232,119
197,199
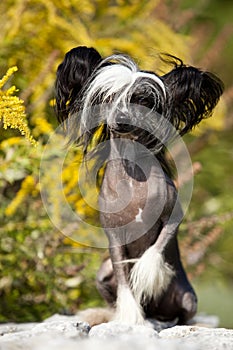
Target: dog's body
x,y
139,206
151,274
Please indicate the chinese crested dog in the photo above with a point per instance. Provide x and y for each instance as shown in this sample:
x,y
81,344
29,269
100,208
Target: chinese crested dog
x,y
131,115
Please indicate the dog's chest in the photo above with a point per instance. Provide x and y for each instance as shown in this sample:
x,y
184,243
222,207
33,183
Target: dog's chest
x,y
127,197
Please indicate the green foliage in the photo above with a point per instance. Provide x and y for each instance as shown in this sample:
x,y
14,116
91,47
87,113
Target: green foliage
x,y
42,272
41,277
213,199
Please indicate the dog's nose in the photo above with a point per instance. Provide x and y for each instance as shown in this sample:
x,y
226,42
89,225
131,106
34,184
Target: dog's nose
x,y
122,119
122,124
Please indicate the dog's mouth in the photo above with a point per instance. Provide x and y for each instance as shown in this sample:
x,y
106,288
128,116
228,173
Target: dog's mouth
x,y
124,131
122,126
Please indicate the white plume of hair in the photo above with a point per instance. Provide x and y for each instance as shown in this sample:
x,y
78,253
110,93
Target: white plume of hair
x,y
114,82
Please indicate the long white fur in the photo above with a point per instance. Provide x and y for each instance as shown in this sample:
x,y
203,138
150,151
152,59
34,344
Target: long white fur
x,y
128,310
150,276
117,80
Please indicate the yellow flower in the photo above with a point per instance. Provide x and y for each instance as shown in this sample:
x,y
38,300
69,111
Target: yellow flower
x,y
12,110
41,126
27,187
8,74
12,141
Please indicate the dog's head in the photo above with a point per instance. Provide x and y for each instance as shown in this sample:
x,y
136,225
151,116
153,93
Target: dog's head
x,y
115,95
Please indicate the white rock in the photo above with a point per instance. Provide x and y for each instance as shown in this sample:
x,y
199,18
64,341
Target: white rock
x,y
117,330
68,333
205,338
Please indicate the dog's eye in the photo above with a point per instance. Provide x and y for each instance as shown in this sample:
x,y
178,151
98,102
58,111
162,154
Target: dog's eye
x,y
142,100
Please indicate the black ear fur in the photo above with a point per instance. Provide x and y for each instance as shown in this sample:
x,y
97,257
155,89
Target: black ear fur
x,y
193,94
72,74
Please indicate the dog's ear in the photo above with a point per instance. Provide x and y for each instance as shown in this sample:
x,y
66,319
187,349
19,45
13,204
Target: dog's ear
x,y
72,73
192,95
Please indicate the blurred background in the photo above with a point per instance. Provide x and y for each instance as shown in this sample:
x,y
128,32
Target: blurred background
x,y
43,272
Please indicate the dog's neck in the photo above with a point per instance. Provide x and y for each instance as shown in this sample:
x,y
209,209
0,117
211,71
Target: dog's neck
x,y
136,159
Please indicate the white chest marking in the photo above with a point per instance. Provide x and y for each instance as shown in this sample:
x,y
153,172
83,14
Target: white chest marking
x,y
138,217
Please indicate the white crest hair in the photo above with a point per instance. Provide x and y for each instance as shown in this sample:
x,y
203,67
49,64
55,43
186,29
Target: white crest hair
x,y
116,82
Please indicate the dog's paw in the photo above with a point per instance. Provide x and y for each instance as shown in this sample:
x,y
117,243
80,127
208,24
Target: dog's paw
x,y
128,311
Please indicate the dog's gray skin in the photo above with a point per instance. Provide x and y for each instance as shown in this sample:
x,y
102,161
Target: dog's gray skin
x,y
179,300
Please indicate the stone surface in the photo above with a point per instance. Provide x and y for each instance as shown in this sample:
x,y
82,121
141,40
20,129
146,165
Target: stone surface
x,y
70,333
121,331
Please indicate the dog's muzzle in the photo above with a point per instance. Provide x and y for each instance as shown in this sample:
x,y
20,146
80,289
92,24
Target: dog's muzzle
x,y
122,124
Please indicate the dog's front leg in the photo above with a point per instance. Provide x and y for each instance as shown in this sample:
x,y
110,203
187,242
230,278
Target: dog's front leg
x,y
128,310
151,274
